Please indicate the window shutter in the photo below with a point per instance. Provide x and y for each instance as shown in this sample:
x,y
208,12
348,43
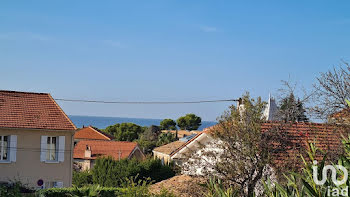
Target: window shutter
x,y
13,148
43,146
61,144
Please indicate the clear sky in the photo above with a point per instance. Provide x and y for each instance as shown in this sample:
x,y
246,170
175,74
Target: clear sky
x,y
167,51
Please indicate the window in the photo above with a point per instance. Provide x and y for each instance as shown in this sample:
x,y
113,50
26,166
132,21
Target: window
x,y
4,148
51,153
52,149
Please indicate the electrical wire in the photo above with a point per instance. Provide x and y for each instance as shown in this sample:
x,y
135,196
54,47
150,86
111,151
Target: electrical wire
x,y
145,102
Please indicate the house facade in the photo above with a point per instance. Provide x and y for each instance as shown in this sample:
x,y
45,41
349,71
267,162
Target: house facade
x,y
36,140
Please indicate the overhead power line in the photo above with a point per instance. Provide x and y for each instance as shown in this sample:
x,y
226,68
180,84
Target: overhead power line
x,y
145,102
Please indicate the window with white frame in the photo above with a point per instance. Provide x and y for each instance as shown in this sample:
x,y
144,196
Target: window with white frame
x,y
4,145
51,153
52,149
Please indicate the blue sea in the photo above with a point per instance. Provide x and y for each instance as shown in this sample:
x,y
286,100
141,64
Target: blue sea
x,y
103,122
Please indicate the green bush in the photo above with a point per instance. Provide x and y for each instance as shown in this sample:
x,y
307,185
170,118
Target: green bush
x,y
15,189
92,190
82,178
108,172
130,188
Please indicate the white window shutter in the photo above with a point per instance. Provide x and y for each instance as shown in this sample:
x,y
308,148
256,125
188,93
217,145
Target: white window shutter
x,y
43,146
61,144
13,148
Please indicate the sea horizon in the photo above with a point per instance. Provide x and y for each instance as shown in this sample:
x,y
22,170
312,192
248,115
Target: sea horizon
x,y
102,122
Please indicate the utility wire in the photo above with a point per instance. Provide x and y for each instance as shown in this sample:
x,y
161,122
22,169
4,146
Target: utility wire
x,y
145,102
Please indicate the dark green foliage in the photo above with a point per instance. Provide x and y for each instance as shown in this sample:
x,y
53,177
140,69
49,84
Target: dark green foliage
x,y
146,145
124,131
189,122
154,169
10,191
82,178
15,189
292,110
168,124
83,191
130,188
111,173
166,138
151,133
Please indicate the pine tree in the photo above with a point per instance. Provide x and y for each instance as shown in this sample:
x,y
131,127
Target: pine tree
x,y
292,110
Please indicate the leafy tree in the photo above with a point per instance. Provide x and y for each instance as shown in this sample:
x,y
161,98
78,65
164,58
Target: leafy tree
x,y
166,138
151,133
124,131
292,110
189,122
81,178
168,124
240,152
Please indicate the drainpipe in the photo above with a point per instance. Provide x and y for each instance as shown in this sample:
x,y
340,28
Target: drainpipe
x,y
71,159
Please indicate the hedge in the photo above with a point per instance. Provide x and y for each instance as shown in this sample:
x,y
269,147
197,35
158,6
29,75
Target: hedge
x,y
67,192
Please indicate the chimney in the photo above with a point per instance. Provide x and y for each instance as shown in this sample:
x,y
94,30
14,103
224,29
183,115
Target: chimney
x,y
88,151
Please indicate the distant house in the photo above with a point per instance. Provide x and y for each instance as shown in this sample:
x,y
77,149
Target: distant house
x,y
36,139
164,152
181,133
87,151
91,133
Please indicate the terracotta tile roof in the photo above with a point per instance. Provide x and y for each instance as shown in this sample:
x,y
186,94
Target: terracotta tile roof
x,y
91,133
326,137
297,136
116,149
169,148
32,110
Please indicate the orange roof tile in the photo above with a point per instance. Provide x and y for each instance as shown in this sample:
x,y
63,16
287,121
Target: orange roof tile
x,y
32,111
91,133
298,135
116,149
326,137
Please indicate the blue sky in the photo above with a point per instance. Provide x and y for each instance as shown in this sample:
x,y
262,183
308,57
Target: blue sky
x,y
167,51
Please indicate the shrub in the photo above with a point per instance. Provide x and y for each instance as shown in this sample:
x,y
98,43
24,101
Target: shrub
x,y
15,189
82,178
92,190
108,172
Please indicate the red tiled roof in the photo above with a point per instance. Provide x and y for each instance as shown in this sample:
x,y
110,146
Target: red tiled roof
x,y
32,111
116,149
91,133
326,137
297,137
